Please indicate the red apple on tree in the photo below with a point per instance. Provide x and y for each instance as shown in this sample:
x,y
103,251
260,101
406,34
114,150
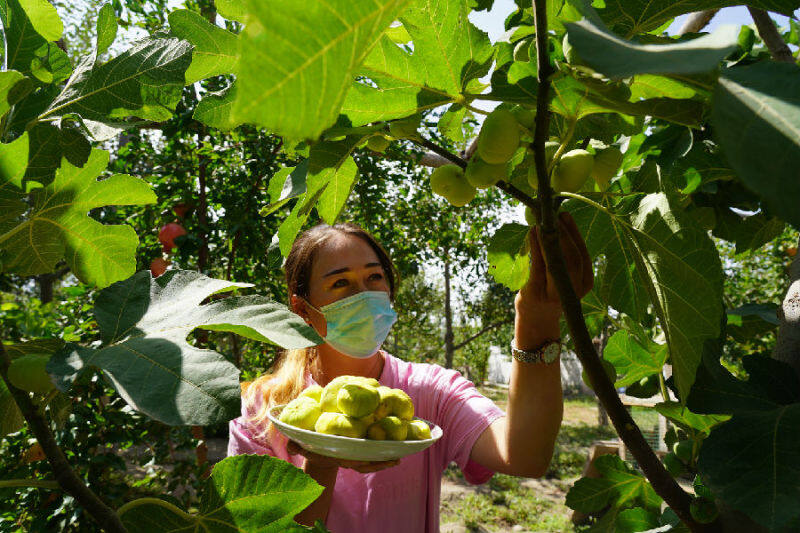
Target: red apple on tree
x,y
180,209
158,266
168,233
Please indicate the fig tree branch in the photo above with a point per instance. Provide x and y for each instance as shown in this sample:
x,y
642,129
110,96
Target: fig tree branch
x,y
65,476
769,34
629,432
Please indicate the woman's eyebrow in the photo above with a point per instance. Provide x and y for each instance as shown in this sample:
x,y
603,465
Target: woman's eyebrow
x,y
347,269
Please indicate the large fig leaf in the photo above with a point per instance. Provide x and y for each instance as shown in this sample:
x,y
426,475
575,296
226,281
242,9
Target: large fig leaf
x,y
654,252
144,81
11,419
28,26
215,109
13,87
617,58
244,493
751,463
632,360
630,17
215,49
506,264
13,162
298,59
144,323
756,110
57,227
619,486
448,53
688,420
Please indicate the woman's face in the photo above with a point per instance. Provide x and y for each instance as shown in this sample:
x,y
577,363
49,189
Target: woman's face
x,y
345,265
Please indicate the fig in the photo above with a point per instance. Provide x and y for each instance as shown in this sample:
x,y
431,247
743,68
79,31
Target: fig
x,y
330,393
394,402
683,450
418,430
499,137
646,387
522,50
405,128
449,181
530,216
482,175
357,400
673,465
525,117
388,428
341,424
572,171
29,374
703,510
550,149
378,143
606,165
302,412
314,392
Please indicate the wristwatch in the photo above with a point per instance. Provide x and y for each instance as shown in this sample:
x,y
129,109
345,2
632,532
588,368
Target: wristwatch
x,y
546,353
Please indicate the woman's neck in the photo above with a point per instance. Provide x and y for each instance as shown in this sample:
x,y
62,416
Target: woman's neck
x,y
332,364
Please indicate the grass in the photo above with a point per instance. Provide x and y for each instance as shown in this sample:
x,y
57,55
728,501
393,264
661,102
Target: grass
x,y
536,505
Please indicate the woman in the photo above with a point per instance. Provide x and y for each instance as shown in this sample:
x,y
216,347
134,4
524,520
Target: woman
x,y
336,274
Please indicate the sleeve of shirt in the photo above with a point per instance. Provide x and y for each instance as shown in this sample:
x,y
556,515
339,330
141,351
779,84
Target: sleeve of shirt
x,y
240,440
463,413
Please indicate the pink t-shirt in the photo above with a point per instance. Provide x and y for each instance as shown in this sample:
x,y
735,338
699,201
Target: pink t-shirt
x,y
405,497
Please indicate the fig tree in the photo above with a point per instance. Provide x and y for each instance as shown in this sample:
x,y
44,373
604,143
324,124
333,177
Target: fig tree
x,y
499,137
449,181
606,165
418,430
572,171
482,175
378,143
550,149
29,374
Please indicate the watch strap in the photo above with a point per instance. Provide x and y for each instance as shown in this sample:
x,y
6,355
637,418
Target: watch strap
x,y
546,353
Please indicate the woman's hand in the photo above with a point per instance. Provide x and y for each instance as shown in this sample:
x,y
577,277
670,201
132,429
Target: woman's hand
x,y
324,462
539,293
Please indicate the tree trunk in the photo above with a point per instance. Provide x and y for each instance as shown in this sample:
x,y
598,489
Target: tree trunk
x,y
787,345
448,319
46,282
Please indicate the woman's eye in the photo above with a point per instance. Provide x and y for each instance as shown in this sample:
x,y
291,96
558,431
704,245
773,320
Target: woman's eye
x,y
344,281
377,276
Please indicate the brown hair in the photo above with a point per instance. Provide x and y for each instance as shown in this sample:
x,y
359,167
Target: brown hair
x,y
288,376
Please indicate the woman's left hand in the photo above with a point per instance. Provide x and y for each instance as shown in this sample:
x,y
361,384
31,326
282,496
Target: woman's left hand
x,y
539,294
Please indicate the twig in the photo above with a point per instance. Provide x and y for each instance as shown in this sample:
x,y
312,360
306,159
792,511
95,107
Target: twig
x,y
662,482
769,34
65,476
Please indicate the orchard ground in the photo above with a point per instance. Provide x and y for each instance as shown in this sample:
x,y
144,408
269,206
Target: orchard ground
x,y
505,503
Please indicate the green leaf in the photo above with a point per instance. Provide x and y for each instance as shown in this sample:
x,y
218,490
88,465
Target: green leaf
x,y
655,252
631,17
13,162
751,461
144,323
646,86
57,227
288,183
244,493
51,64
448,53
619,486
106,28
634,520
215,49
231,9
617,58
506,264
21,38
751,320
44,18
216,109
747,232
298,60
37,346
13,87
683,417
757,111
632,360
144,81
11,419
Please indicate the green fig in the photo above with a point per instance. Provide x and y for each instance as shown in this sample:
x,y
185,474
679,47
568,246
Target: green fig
x,y
418,430
341,424
357,400
525,117
301,412
314,392
405,128
606,165
482,175
499,137
572,171
330,393
704,511
449,181
29,374
388,428
646,387
550,149
378,143
394,402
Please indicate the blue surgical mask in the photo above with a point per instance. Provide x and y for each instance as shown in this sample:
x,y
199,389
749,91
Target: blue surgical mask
x,y
358,324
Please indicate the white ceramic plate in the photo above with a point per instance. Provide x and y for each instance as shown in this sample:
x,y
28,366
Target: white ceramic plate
x,y
350,448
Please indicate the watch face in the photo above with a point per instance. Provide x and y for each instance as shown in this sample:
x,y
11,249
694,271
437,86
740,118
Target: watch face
x,y
551,352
